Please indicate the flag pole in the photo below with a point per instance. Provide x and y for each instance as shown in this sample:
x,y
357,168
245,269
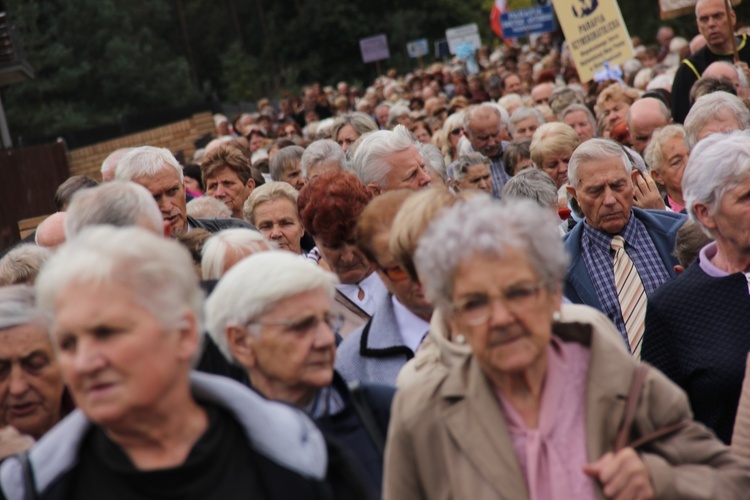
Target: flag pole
x,y
728,9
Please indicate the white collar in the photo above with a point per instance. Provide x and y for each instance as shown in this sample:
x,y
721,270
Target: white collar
x,y
412,328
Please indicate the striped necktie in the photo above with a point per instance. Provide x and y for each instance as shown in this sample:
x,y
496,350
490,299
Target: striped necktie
x,y
631,294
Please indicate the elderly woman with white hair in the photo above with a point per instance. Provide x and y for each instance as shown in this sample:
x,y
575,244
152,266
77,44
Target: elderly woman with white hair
x,y
552,145
272,208
712,113
322,157
125,311
285,167
349,127
273,315
667,156
539,409
470,171
226,248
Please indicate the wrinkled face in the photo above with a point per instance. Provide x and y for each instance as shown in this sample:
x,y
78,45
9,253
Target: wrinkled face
x,y
605,194
118,362
518,327
614,111
730,225
485,134
293,176
344,259
31,385
581,124
477,177
347,136
407,172
169,193
675,155
556,166
408,292
422,135
381,115
227,187
513,85
714,24
298,356
526,128
522,165
540,94
723,123
278,221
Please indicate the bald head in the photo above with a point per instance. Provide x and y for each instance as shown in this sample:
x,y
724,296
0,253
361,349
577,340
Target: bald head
x,y
726,69
110,163
51,233
645,116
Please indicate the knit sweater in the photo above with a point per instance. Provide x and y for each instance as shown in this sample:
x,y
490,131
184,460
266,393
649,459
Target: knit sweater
x,y
698,334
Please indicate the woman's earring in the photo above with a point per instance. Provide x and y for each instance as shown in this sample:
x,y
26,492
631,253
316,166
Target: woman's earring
x,y
460,339
556,316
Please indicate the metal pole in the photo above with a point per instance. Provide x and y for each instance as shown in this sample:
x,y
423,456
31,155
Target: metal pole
x,y
4,131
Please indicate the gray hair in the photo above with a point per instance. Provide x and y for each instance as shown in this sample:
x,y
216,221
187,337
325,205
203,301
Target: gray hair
x,y
522,114
654,155
115,203
370,159
596,150
145,161
716,165
158,271
579,107
208,207
22,264
458,168
67,189
532,184
18,307
708,108
484,226
284,160
360,122
321,152
483,110
238,241
395,112
110,162
433,159
268,192
255,285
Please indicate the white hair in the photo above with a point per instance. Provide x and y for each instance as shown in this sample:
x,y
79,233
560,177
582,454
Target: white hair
x,y
208,207
482,110
596,150
115,203
283,161
18,307
433,159
717,164
255,285
709,107
237,241
654,155
110,162
158,272
370,160
145,161
320,152
22,264
524,113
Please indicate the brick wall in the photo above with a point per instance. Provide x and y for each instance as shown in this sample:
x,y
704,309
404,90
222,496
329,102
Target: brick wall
x,y
176,137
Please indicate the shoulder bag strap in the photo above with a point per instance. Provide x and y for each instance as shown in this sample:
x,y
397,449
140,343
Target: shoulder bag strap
x,y
364,412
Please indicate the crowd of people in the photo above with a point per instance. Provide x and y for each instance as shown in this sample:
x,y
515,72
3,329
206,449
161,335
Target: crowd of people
x,y
509,284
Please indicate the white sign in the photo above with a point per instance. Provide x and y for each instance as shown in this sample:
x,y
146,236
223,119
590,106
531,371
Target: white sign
x,y
418,48
374,48
468,33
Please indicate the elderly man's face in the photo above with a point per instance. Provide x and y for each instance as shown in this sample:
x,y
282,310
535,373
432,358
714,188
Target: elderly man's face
x,y
169,193
227,187
485,134
512,85
381,115
723,123
642,126
581,124
526,128
540,94
605,194
407,172
116,358
344,259
31,387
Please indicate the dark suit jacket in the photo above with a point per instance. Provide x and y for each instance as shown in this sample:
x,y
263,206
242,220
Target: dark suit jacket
x,y
661,226
216,225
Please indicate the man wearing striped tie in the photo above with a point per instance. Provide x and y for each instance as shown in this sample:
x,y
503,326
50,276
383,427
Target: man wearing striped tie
x,y
619,254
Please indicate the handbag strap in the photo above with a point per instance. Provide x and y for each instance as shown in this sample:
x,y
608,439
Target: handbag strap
x,y
631,405
364,411
29,485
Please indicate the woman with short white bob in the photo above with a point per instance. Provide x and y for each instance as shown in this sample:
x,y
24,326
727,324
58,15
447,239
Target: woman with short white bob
x,y
226,248
125,310
535,411
272,208
272,314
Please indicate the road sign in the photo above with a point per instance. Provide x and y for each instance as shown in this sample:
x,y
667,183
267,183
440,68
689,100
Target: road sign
x,y
524,22
468,33
374,48
418,48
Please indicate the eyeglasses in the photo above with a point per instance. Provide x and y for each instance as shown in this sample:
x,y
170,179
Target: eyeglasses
x,y
394,272
307,324
476,309
456,131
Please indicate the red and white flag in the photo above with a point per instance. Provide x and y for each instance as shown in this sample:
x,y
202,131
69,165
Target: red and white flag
x,y
497,9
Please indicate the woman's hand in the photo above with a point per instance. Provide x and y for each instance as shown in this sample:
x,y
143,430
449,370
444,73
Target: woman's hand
x,y
623,476
647,193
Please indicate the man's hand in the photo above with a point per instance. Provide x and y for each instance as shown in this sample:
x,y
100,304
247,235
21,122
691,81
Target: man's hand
x,y
647,194
623,476
12,442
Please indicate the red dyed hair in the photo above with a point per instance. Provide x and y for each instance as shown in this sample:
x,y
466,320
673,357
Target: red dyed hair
x,y
330,206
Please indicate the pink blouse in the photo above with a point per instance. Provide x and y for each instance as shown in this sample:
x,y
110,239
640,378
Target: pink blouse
x,y
552,456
